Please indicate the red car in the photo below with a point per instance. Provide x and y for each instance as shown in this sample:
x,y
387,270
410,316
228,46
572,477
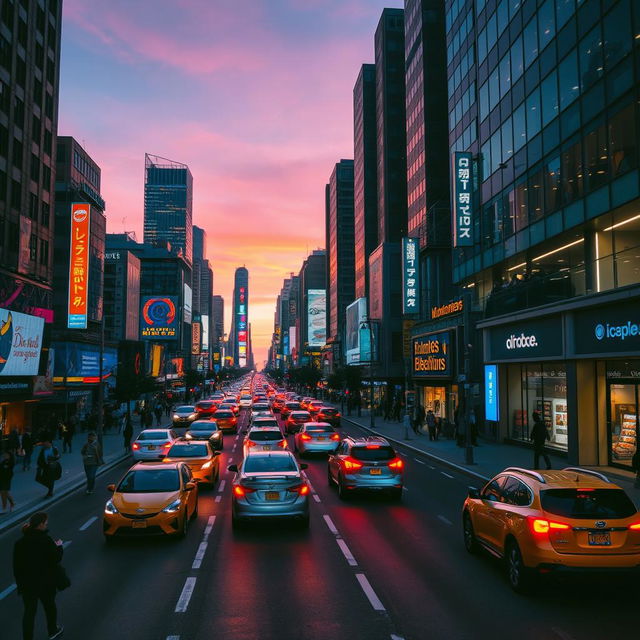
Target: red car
x,y
288,408
330,415
226,420
278,404
295,421
206,408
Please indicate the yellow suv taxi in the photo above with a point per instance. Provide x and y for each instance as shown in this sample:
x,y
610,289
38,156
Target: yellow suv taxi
x,y
199,457
545,521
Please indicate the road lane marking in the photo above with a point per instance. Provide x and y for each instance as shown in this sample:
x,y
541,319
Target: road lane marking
x,y
446,474
346,552
420,461
332,527
218,498
405,489
202,549
395,637
173,637
210,523
404,455
369,592
233,448
445,520
88,523
66,544
316,497
10,589
185,596
221,486
430,467
563,634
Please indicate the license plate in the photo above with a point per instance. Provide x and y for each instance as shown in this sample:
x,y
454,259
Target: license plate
x,y
321,439
600,538
151,447
139,524
375,472
272,495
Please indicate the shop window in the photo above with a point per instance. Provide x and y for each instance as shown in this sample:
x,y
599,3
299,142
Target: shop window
x,y
623,419
568,80
623,152
590,51
596,158
571,173
552,183
604,261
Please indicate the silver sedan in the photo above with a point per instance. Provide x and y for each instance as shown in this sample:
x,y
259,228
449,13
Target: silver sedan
x,y
316,437
269,485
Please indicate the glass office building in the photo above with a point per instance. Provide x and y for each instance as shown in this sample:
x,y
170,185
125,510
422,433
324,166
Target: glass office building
x,y
545,96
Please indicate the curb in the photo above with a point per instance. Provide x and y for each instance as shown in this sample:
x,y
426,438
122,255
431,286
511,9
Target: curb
x,y
39,504
438,459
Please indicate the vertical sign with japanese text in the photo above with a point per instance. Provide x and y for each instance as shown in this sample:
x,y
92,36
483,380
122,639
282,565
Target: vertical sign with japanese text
x,y
462,181
410,276
79,266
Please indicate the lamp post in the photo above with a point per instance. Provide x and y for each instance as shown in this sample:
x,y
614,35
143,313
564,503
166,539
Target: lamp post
x,y
367,324
467,373
100,421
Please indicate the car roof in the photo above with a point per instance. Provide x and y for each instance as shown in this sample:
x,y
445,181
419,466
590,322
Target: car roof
x,y
318,424
165,429
270,427
363,442
143,465
567,478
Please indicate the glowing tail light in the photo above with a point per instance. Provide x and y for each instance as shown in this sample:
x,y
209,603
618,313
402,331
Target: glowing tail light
x,y
635,527
135,446
250,443
306,437
351,465
167,445
301,489
543,526
397,464
335,436
283,444
239,491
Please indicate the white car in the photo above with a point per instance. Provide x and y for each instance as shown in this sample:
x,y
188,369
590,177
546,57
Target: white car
x,y
245,401
152,444
263,439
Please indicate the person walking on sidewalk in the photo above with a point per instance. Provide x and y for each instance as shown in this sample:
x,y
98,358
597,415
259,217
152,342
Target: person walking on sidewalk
x,y
36,564
418,420
127,433
92,459
26,448
431,425
635,465
49,469
158,412
13,441
68,431
539,435
7,462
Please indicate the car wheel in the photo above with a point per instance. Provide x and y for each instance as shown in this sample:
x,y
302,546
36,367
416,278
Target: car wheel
x,y
470,542
182,533
518,575
109,540
236,523
343,494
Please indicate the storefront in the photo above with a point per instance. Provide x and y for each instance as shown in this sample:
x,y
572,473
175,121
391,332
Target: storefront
x,y
580,369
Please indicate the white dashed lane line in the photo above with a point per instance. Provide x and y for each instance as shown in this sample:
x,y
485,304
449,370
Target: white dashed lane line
x,y
221,486
445,520
185,596
316,497
346,552
88,523
202,549
446,475
66,544
210,522
332,527
10,589
177,637
369,592
430,467
419,461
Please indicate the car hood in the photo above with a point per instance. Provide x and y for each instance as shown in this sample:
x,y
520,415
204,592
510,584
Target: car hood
x,y
149,502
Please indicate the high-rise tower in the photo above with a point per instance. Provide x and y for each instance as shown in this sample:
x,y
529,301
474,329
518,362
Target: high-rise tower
x,y
239,318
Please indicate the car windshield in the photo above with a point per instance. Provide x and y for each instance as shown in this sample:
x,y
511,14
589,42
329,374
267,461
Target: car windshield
x,y
188,451
257,464
268,435
150,481
185,409
587,503
223,414
153,435
373,454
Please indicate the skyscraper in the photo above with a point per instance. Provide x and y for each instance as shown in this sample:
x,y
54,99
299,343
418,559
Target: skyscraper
x,y
391,126
340,251
168,196
239,318
218,319
365,176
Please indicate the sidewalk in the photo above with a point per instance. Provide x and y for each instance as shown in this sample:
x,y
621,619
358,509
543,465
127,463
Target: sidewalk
x,y
29,495
490,457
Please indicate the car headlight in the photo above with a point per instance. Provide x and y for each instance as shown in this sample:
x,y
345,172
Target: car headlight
x,y
193,416
173,507
110,507
188,436
216,434
176,416
207,465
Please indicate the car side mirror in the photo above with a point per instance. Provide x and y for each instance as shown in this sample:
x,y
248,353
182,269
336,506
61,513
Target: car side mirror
x,y
111,487
216,454
304,466
233,468
474,493
190,486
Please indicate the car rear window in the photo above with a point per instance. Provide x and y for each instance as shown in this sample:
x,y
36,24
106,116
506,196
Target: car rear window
x,y
150,481
587,503
153,435
265,422
188,451
328,410
265,436
223,414
258,464
204,405
320,429
373,454
203,426
301,415
293,405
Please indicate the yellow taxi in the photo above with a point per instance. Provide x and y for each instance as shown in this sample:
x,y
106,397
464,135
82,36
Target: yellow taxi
x,y
199,457
153,498
543,522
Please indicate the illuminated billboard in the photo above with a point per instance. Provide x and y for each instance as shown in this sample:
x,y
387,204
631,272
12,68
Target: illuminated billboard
x,y
205,333
241,323
195,338
158,319
20,343
188,302
410,276
356,313
462,186
316,317
78,266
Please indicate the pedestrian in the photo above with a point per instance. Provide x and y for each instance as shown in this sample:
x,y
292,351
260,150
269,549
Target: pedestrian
x,y
37,569
539,435
127,433
148,418
25,448
7,462
419,420
68,431
635,465
48,466
158,412
430,419
13,441
92,459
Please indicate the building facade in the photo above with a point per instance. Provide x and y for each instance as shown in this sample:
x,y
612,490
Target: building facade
x,y
240,318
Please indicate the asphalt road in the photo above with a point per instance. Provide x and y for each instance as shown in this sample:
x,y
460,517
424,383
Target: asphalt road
x,y
367,568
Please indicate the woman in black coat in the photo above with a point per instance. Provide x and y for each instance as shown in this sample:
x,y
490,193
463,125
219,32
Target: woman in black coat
x,y
36,560
49,469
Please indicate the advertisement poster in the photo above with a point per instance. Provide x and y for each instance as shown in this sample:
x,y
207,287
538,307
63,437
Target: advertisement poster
x,y
432,355
317,317
188,302
410,276
195,338
78,266
20,343
205,333
81,363
356,313
158,318
43,385
462,181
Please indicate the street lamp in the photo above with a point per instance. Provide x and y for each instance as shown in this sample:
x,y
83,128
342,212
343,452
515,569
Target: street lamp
x,y
366,324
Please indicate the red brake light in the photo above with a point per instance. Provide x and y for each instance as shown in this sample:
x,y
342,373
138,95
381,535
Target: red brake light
x,y
250,443
635,527
283,444
135,446
305,436
335,436
542,526
397,464
351,465
302,489
240,491
337,414
167,445
372,446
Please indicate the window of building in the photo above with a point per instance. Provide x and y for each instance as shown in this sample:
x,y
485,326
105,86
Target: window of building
x,y
504,71
617,33
564,10
533,114
522,218
16,195
33,246
596,156
33,206
21,72
5,53
46,214
568,80
530,42
44,252
17,153
590,52
536,196
519,127
572,173
517,62
552,184
623,151
549,97
546,23
18,113
35,168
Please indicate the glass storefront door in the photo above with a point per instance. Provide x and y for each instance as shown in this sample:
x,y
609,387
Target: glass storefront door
x,y
623,420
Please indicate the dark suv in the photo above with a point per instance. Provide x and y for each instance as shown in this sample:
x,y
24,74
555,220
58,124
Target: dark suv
x,y
366,463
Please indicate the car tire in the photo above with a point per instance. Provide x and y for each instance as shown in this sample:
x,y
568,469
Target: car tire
x,y
182,533
109,540
343,493
520,578
469,535
236,523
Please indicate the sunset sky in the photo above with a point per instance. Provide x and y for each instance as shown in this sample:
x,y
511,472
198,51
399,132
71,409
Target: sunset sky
x,y
254,95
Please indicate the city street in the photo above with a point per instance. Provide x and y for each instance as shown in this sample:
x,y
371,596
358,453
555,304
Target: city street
x,y
367,568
